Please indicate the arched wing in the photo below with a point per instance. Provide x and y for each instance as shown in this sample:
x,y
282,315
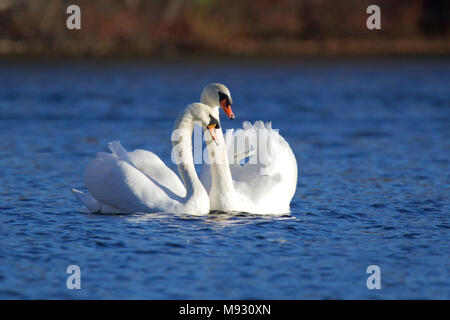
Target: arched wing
x,y
112,179
154,168
262,164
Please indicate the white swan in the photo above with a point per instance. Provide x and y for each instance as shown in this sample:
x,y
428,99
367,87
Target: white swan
x,y
131,182
263,185
138,181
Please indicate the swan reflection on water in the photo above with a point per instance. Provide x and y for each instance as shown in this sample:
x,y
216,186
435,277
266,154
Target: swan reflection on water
x,y
215,218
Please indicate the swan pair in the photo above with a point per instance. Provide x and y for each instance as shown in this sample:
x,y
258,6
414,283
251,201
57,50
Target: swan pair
x,y
138,181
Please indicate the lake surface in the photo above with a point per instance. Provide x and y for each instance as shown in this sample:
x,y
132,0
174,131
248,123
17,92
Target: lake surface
x,y
372,141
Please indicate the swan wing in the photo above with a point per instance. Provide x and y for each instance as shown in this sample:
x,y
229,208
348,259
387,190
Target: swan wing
x,y
152,166
263,166
112,180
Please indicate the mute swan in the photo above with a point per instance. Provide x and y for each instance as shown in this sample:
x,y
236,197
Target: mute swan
x,y
263,186
139,181
131,182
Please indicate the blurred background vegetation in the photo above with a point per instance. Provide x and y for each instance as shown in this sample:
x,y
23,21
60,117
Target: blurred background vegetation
x,y
223,27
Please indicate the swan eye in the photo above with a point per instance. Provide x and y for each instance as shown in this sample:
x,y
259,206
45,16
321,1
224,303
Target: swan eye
x,y
225,103
222,96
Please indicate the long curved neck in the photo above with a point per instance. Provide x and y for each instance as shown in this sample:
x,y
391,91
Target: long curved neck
x,y
222,182
182,154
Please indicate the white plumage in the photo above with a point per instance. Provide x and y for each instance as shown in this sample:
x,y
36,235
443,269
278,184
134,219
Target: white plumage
x,y
261,177
264,184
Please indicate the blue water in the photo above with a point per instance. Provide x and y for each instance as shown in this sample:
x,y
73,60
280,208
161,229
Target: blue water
x,y
371,137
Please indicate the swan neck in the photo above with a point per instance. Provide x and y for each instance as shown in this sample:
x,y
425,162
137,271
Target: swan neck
x,y
222,180
182,151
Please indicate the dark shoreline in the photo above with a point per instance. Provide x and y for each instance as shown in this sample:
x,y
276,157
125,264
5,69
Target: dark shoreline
x,y
263,28
340,49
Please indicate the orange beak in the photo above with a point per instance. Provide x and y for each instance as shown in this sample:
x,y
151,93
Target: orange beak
x,y
225,104
212,131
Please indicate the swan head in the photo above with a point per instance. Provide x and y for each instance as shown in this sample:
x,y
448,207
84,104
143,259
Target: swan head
x,y
218,95
206,116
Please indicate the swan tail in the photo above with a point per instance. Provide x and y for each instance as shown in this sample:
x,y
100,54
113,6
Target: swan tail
x,y
89,201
